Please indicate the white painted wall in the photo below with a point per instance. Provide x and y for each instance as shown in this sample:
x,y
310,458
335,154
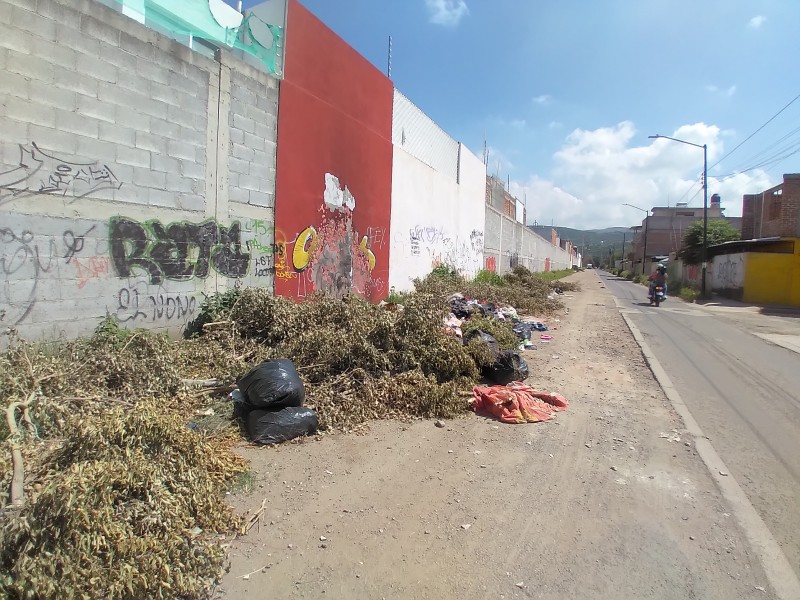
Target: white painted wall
x,y
728,272
435,218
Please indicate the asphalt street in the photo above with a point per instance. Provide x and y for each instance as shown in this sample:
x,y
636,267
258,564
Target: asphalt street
x,y
743,391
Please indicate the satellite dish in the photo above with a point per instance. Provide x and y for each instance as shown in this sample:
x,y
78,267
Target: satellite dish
x,y
227,16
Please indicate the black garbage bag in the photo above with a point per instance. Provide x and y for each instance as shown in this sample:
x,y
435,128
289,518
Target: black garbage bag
x,y
523,330
460,308
274,427
483,336
508,367
273,384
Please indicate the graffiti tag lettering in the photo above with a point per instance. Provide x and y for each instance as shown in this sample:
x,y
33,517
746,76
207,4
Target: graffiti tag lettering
x,y
137,302
41,173
178,251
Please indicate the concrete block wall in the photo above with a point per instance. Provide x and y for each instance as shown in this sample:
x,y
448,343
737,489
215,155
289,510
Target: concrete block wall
x,y
507,242
122,159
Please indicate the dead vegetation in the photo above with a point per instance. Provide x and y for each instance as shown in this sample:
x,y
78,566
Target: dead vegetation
x,y
114,496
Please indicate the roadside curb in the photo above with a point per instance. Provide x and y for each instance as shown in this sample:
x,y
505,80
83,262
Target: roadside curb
x,y
777,568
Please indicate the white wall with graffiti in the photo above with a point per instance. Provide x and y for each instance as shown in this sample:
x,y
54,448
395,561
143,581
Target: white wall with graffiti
x,y
436,218
727,273
117,165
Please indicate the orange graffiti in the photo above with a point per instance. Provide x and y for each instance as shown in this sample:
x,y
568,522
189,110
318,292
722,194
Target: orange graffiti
x,y
93,268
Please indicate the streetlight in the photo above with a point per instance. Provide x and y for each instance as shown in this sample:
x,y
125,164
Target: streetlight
x,y
647,213
705,200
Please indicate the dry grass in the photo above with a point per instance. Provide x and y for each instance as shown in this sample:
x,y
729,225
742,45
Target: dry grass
x,y
121,499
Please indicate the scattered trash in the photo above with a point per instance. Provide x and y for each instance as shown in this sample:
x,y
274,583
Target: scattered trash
x,y
613,468
672,437
466,526
546,337
520,585
439,423
517,403
723,473
760,588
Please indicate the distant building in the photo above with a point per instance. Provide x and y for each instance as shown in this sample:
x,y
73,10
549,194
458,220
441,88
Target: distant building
x,y
774,212
667,225
498,197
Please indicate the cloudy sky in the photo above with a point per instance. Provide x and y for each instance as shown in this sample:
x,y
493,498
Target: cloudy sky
x,y
566,93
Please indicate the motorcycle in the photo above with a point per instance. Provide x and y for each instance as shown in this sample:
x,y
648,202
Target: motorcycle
x,y
657,295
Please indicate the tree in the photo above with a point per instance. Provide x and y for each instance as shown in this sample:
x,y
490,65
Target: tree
x,y
719,231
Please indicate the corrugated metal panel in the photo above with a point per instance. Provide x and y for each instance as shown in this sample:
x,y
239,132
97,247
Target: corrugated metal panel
x,y
417,134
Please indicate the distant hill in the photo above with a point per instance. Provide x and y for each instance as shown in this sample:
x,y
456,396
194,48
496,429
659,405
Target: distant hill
x,y
594,244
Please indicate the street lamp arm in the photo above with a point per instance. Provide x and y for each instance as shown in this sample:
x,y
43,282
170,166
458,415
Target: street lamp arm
x,y
666,137
636,207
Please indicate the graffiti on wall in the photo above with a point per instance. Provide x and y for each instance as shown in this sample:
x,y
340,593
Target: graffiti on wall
x,y
331,258
40,172
439,246
139,301
28,259
728,272
178,251
143,270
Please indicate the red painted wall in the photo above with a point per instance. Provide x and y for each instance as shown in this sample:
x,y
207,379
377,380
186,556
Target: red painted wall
x,y
334,117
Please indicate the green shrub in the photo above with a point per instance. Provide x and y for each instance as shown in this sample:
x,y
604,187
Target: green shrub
x,y
689,294
489,277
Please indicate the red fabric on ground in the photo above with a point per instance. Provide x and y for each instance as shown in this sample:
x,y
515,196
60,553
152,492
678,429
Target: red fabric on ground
x,y
517,403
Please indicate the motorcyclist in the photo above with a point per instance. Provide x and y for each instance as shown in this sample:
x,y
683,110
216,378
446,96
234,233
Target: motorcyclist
x,y
659,278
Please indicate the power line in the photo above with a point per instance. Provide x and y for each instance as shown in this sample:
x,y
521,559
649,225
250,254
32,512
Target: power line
x,y
772,118
770,148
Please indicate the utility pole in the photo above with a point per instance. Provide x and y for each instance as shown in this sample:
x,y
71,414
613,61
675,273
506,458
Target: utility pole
x,y
644,253
623,250
705,216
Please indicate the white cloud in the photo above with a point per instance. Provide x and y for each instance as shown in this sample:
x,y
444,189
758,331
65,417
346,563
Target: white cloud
x,y
447,12
543,100
727,92
518,123
757,21
555,125
597,171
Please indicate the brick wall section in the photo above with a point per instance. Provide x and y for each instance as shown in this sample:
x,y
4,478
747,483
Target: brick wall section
x,y
749,204
80,81
115,148
773,213
790,215
253,121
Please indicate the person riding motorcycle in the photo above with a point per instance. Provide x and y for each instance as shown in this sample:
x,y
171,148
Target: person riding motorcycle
x,y
659,278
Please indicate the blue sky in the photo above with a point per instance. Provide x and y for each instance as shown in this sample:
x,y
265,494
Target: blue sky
x,y
566,92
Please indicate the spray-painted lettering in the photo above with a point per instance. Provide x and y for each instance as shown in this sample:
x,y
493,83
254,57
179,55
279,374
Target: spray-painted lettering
x,y
39,172
178,251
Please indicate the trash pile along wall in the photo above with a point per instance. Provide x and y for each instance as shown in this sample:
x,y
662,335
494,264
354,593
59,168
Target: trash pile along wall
x,y
135,174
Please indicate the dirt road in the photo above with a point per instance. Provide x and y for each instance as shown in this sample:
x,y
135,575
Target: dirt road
x,y
606,501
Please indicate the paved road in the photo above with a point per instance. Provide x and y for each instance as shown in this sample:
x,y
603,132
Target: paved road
x,y
743,391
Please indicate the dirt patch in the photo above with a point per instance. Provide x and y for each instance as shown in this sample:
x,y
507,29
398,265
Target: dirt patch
x,y
605,501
